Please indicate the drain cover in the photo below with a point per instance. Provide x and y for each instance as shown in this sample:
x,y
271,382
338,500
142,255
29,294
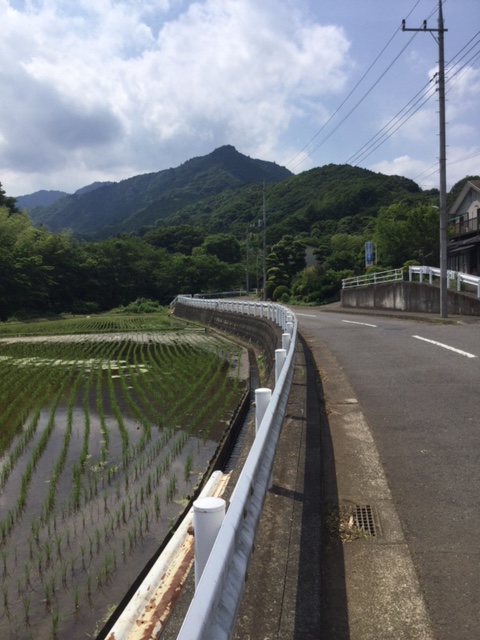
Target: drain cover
x,y
364,520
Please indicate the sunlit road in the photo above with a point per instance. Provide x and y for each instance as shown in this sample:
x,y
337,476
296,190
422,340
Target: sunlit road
x,y
419,388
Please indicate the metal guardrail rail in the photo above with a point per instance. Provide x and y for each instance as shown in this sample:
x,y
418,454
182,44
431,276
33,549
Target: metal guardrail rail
x,y
392,275
433,272
214,607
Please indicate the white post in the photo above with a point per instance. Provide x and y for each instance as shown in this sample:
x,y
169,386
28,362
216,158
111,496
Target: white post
x,y
286,339
262,399
208,515
280,357
289,328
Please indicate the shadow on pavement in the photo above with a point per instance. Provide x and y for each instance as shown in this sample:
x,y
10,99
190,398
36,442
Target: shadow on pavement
x,y
327,596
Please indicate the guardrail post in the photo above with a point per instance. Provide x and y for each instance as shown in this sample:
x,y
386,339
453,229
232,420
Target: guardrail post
x,y
286,338
280,357
208,515
289,328
262,399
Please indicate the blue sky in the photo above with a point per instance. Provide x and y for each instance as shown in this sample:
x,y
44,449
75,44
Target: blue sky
x,y
107,89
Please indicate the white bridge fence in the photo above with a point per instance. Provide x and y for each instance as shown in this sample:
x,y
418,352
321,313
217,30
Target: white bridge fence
x,y
452,276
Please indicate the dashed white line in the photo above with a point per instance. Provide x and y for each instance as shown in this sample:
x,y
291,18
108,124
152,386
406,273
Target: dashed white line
x,y
446,346
365,324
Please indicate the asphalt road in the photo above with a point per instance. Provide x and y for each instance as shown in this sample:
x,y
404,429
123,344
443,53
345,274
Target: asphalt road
x,y
418,387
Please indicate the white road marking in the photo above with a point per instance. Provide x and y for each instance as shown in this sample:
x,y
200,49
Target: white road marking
x,y
365,324
446,346
307,315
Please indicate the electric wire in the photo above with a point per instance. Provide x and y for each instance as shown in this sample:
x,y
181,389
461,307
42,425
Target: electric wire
x,y
395,120
342,103
357,104
346,98
362,154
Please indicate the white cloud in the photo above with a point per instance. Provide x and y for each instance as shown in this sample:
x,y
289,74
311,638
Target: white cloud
x,y
132,86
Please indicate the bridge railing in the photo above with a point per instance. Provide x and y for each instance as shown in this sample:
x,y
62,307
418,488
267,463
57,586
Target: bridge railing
x,y
214,607
391,275
452,276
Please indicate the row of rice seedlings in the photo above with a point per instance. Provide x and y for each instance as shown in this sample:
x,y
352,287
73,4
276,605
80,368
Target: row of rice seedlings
x,y
7,523
60,463
186,381
208,380
160,321
144,495
76,479
28,388
21,389
117,412
84,483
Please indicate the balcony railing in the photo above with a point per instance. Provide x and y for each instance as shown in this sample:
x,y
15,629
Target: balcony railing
x,y
466,226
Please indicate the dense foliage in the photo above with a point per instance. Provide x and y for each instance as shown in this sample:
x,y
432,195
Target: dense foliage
x,y
220,242
42,272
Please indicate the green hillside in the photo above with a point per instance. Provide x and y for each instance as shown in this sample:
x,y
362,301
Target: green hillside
x,y
301,203
146,199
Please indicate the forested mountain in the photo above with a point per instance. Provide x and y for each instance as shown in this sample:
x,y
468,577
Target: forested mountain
x,y
302,204
201,230
40,198
146,199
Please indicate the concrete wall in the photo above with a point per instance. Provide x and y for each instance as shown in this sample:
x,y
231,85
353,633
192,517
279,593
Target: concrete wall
x,y
409,296
263,334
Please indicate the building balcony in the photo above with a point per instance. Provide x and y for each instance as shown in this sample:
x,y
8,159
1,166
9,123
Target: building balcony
x,y
465,227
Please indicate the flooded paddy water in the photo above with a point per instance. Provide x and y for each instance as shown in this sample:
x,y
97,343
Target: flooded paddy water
x,y
102,439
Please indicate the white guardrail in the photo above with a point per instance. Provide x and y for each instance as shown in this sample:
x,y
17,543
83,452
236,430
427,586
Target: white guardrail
x,y
457,276
373,278
214,607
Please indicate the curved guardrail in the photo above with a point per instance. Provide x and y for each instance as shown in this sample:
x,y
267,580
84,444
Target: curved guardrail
x,y
214,607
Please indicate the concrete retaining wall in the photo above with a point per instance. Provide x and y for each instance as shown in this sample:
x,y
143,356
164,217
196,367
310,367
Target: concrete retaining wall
x,y
263,334
409,296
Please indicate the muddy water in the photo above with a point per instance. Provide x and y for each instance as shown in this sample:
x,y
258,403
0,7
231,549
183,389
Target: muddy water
x,y
66,565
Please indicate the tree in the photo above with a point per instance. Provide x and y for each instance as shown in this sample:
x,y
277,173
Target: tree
x,y
178,239
407,233
224,246
8,202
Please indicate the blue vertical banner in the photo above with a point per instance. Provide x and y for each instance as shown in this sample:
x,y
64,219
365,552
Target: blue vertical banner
x,y
369,254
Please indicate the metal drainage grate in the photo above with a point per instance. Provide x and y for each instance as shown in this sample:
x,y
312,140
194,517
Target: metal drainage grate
x,y
364,520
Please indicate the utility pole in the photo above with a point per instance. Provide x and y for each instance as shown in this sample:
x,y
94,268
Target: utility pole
x,y
440,30
246,248
264,246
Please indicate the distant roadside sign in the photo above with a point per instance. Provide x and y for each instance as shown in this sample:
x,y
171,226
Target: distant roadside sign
x,y
369,254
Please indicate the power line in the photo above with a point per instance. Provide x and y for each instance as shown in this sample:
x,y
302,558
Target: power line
x,y
343,102
357,104
346,99
393,122
361,154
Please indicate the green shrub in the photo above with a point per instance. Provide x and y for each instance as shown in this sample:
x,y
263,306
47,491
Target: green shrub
x,y
281,293
140,305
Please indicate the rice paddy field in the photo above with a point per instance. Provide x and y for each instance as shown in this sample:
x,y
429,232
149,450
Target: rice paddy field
x,y
106,426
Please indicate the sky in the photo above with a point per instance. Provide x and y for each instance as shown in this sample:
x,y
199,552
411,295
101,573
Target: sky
x,y
95,90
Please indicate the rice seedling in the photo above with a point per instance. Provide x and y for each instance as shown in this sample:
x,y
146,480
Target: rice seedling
x,y
115,443
187,466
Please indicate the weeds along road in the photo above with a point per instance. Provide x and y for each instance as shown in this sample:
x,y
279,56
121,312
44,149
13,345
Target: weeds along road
x,y
417,385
